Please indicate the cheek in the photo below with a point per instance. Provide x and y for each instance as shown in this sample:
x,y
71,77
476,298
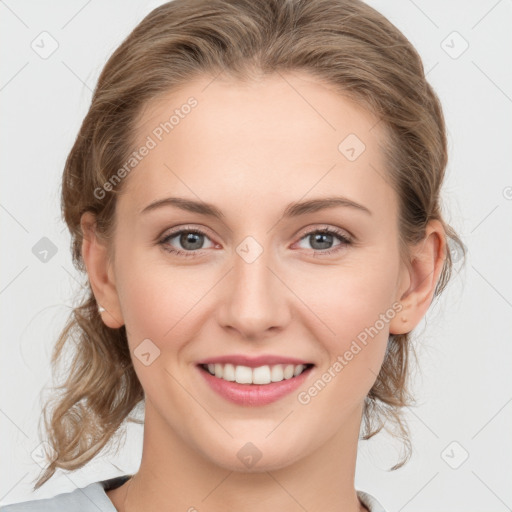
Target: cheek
x,y
157,305
153,298
358,312
355,310
352,299
162,302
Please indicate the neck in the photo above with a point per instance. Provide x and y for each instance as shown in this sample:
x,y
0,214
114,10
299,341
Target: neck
x,y
174,477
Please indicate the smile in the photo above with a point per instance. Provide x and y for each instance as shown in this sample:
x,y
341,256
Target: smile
x,y
260,375
258,386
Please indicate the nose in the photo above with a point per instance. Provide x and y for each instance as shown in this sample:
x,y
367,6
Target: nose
x,y
255,299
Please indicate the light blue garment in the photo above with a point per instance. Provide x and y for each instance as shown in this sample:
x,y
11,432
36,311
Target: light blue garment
x,y
93,498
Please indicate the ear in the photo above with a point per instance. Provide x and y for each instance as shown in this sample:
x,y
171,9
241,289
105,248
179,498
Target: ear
x,y
99,270
426,264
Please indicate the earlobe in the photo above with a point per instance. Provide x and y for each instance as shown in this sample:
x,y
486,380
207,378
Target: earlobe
x,y
95,256
427,260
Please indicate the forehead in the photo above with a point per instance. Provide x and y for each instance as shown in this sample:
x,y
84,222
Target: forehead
x,y
288,135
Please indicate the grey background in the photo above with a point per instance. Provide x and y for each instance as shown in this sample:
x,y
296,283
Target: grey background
x,y
463,386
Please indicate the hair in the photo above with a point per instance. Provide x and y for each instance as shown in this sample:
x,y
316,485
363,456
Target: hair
x,y
344,43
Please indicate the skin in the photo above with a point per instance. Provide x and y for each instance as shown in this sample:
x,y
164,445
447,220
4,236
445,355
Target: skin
x,y
251,149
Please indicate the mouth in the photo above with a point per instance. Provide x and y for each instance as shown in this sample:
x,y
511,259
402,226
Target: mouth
x,y
255,375
257,385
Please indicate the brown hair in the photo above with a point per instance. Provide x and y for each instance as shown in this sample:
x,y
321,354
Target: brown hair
x,y
344,43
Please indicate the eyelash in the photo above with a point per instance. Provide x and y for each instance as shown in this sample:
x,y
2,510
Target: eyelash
x,y
317,252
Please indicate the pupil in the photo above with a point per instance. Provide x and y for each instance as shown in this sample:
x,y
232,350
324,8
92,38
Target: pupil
x,y
323,244
191,238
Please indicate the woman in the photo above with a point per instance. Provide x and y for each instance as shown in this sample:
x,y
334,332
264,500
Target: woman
x,y
254,195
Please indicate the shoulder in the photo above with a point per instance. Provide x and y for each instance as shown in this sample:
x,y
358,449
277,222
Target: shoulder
x,y
367,500
91,498
79,499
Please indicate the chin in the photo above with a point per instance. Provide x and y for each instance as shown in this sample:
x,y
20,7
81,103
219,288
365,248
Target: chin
x,y
255,457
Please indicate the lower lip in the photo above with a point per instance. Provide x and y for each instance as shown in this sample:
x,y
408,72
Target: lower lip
x,y
254,394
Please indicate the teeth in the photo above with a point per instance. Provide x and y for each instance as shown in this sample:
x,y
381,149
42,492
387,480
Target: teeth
x,y
260,375
228,373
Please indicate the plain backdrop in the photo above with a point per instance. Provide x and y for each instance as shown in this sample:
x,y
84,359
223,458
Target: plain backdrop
x,y
461,426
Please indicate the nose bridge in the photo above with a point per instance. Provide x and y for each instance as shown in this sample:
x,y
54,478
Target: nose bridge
x,y
256,300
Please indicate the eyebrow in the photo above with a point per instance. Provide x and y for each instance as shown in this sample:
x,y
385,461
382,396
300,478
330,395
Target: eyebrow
x,y
292,210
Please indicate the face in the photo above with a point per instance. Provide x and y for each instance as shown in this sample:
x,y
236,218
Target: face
x,y
263,277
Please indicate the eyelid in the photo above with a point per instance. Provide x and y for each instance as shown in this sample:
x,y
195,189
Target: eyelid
x,y
325,227
190,227
300,235
345,237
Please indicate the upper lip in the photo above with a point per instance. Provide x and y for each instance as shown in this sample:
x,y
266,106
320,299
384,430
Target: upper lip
x,y
253,362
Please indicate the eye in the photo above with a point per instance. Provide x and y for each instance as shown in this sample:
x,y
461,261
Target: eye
x,y
322,239
190,239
